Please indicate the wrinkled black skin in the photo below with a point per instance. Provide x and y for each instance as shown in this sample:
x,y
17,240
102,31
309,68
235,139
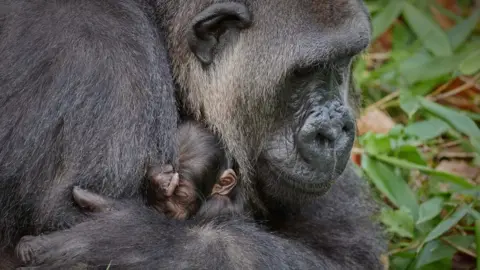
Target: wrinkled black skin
x,y
50,133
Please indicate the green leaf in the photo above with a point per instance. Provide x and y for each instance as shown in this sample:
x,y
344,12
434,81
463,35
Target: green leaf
x,y
471,64
455,179
408,97
396,131
459,121
370,168
434,251
435,68
464,241
386,17
436,265
429,209
402,260
402,36
447,224
376,143
398,221
409,103
432,36
426,130
476,144
460,32
416,60
411,154
390,184
474,214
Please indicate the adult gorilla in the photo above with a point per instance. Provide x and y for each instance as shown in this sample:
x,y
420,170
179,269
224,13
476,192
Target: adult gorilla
x,y
86,100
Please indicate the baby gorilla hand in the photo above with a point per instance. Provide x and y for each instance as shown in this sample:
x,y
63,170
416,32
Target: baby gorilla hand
x,y
173,196
27,248
113,225
38,250
164,180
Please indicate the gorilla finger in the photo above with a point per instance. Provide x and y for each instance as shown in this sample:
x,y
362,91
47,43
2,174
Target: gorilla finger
x,y
172,185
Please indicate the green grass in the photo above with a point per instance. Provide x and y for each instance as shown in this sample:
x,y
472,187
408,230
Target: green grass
x,y
422,71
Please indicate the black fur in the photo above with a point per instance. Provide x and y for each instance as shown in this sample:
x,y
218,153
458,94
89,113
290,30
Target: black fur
x,y
143,239
332,233
86,99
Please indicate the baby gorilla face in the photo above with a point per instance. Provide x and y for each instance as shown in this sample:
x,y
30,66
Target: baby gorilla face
x,y
177,197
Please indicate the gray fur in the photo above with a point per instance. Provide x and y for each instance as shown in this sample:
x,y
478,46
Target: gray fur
x,y
86,98
263,83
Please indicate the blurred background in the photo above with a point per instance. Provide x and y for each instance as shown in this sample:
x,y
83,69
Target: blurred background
x,y
419,144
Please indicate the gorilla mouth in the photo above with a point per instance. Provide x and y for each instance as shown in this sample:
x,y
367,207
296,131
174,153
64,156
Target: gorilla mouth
x,y
282,164
316,182
303,177
305,187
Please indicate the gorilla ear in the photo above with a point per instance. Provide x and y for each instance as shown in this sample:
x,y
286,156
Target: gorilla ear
x,y
226,183
211,23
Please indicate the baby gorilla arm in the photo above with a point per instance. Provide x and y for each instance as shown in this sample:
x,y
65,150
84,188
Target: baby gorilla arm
x,y
129,235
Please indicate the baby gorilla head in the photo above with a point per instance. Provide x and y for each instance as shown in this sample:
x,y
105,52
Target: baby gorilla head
x,y
205,173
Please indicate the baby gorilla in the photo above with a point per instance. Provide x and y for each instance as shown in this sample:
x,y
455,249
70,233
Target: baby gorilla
x,y
204,185
205,173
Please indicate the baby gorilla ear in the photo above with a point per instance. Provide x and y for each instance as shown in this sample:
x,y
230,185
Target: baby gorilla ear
x,y
226,183
90,201
211,23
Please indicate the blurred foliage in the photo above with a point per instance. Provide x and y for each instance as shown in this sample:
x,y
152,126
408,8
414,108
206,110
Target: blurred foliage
x,y
419,142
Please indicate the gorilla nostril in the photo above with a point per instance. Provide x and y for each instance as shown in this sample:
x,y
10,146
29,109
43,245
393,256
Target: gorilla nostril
x,y
326,132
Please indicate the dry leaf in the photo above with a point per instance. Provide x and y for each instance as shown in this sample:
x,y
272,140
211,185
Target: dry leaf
x,y
375,121
459,167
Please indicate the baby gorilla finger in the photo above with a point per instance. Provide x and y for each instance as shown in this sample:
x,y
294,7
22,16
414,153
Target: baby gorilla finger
x,y
165,183
28,248
39,250
172,185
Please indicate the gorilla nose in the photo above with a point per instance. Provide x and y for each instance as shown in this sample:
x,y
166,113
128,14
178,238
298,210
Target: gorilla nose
x,y
327,134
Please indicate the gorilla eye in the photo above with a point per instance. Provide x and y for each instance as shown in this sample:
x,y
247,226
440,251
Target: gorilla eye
x,y
304,71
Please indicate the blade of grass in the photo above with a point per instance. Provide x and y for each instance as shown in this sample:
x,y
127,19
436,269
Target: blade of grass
x,y
447,224
455,179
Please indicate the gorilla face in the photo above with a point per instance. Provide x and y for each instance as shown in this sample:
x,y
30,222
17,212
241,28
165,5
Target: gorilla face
x,y
311,146
272,78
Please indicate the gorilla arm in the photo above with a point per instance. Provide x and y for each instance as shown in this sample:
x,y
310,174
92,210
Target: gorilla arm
x,y
137,237
331,233
86,98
